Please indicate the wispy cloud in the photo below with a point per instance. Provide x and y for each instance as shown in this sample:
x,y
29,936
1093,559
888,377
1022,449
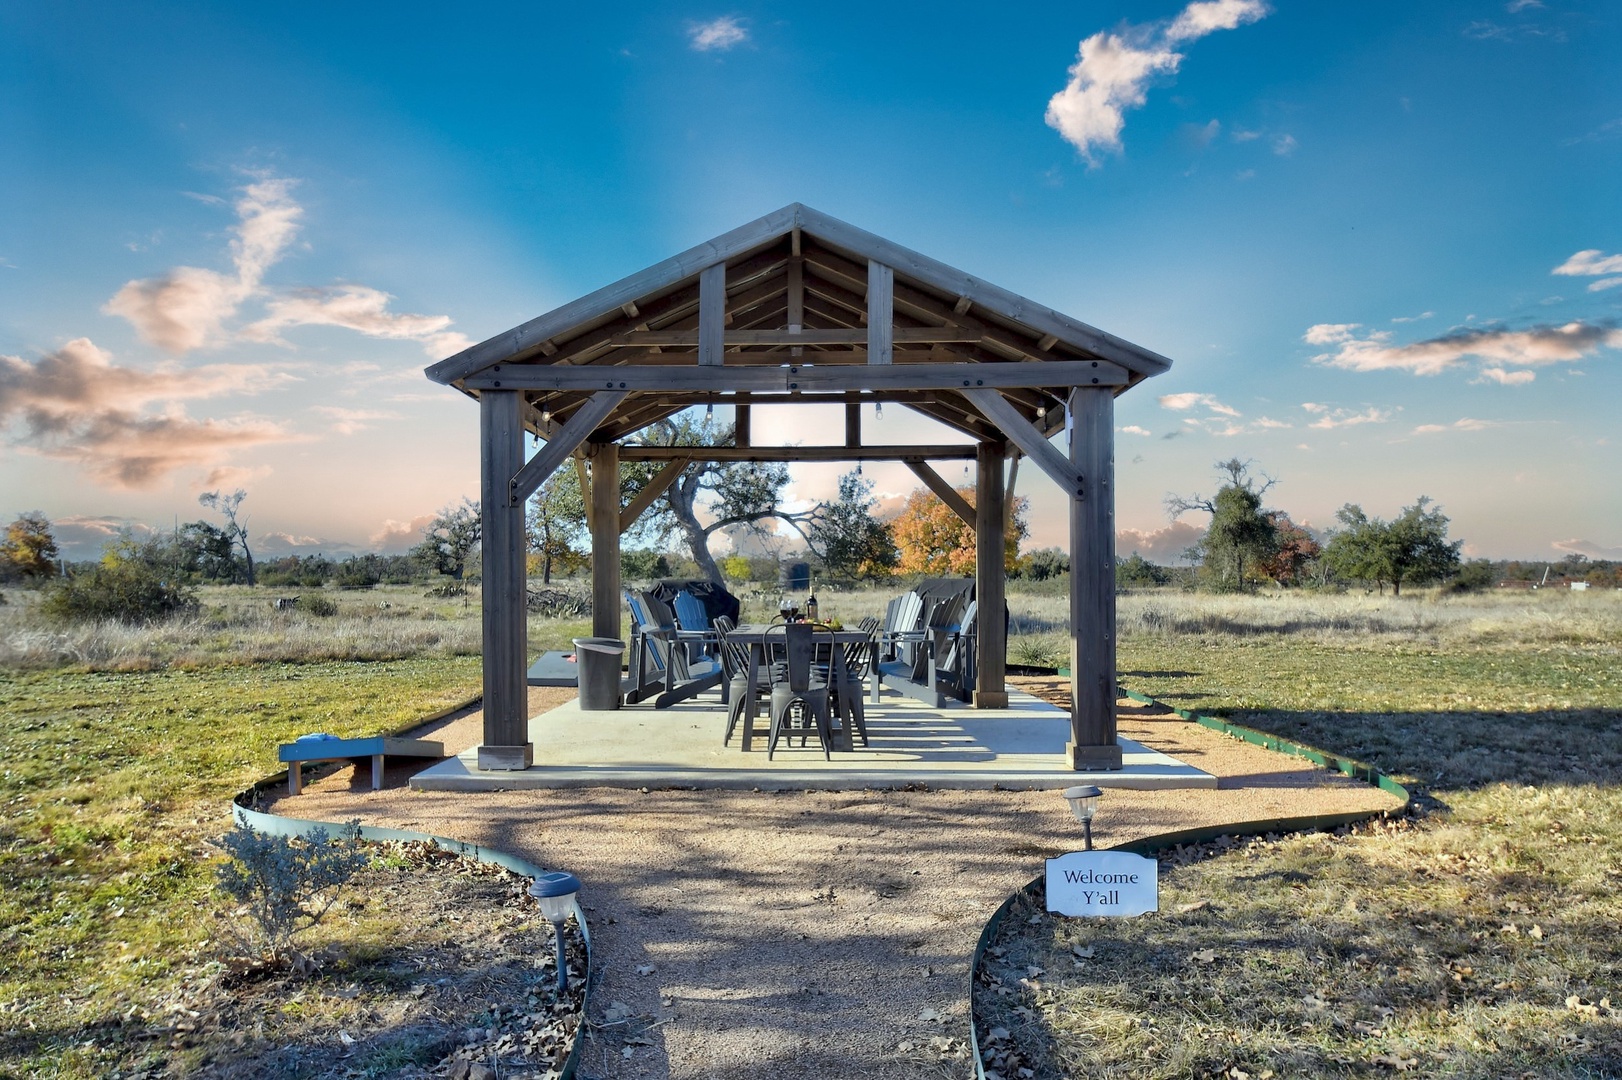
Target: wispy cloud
x,y
1589,263
1329,417
1498,347
190,307
187,307
1284,145
1587,547
1414,318
1113,71
1133,429
1185,401
1505,378
717,35
1467,423
76,405
359,308
348,421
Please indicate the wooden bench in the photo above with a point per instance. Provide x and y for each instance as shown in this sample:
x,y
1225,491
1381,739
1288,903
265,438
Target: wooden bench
x,y
308,751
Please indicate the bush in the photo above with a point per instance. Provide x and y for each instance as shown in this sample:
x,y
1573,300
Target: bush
x,y
128,590
319,606
285,885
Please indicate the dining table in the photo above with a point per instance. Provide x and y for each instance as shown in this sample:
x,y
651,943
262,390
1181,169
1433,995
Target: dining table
x,y
754,635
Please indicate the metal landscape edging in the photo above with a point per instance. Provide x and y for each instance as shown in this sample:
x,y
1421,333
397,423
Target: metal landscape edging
x,y
244,815
1152,845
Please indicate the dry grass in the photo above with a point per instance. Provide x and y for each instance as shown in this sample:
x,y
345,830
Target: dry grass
x,y
237,625
1477,941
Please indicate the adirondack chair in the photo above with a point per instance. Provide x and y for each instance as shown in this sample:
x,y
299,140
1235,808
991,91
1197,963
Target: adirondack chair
x,y
661,667
929,643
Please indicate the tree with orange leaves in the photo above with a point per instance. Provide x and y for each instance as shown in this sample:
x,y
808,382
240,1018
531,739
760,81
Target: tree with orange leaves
x,y
935,541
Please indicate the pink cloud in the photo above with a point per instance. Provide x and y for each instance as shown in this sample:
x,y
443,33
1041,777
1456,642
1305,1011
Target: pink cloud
x,y
1531,347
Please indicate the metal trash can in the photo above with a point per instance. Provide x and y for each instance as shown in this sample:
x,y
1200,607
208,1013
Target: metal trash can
x,y
599,660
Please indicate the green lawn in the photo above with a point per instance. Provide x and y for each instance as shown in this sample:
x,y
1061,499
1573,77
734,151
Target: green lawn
x,y
113,783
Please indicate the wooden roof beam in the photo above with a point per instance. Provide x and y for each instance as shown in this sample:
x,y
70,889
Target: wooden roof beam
x,y
927,452
803,377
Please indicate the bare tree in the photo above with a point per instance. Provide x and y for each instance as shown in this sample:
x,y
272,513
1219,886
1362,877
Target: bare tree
x,y
236,529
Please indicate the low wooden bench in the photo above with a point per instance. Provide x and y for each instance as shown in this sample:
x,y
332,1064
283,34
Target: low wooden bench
x,y
308,751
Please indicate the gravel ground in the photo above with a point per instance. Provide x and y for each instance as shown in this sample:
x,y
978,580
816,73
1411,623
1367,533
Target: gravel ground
x,y
817,934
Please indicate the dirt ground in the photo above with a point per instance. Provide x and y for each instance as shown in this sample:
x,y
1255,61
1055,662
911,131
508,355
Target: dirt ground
x,y
818,934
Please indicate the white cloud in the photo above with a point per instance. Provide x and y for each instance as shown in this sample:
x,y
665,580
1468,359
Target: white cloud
x,y
1531,347
1467,423
1329,333
1112,71
190,307
1414,318
1505,378
1604,283
1133,429
720,34
1208,16
187,308
359,308
1589,263
1331,418
1284,145
1185,401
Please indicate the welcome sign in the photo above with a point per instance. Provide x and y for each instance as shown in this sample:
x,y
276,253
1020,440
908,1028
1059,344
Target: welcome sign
x,y
1103,883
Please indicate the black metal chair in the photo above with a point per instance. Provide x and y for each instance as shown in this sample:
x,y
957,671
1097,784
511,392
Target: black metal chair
x,y
797,689
743,701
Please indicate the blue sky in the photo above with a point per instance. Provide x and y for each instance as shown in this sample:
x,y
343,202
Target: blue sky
x,y
1381,242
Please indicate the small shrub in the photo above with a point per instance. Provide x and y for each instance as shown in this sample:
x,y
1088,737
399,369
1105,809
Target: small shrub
x,y
128,590
285,885
1039,652
317,605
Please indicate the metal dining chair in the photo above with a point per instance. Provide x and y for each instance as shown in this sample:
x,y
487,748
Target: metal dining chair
x,y
796,686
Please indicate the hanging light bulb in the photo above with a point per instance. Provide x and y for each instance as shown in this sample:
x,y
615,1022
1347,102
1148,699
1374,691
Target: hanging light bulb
x,y
709,412
878,410
858,468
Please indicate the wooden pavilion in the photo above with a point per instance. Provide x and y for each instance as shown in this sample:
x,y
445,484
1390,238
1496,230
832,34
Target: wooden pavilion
x,y
801,308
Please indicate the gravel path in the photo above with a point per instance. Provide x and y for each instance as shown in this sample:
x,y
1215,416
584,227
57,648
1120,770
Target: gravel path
x,y
817,934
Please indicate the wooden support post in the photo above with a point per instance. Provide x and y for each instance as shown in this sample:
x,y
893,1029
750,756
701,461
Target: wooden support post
x,y
605,540
853,424
796,299
740,426
503,543
712,314
880,312
1092,583
991,627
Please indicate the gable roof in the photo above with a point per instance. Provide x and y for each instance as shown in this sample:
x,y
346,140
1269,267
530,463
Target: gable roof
x,y
802,262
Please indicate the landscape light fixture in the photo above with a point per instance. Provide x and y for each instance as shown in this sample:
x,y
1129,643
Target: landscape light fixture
x,y
1083,801
555,893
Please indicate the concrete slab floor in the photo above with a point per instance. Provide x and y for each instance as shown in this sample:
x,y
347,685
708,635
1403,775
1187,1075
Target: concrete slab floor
x,y
1020,748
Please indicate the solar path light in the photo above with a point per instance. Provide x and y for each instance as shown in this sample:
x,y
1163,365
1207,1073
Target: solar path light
x,y
555,893
1083,801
